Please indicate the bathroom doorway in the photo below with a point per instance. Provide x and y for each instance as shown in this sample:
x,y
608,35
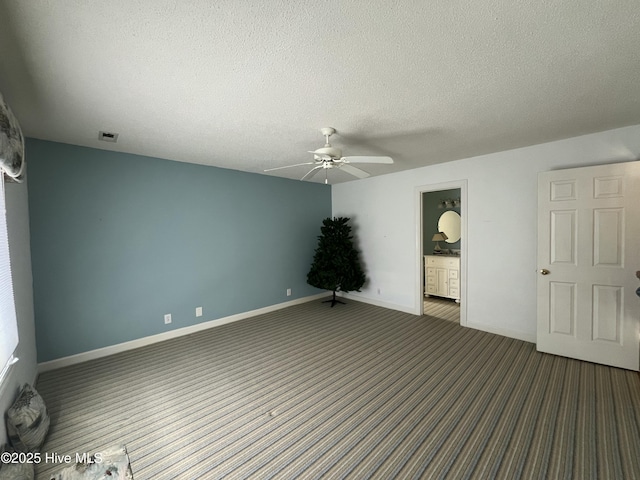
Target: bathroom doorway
x,y
442,248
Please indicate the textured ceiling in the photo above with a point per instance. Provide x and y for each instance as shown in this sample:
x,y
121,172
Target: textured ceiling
x,y
248,84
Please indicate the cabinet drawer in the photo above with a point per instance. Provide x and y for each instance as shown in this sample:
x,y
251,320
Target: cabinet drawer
x,y
431,271
431,280
453,273
442,261
454,292
451,262
431,289
453,283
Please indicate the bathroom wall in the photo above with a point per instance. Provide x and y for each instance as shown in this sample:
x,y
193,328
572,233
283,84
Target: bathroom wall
x,y
431,214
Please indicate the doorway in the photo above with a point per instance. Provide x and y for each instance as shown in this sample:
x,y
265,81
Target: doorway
x,y
441,260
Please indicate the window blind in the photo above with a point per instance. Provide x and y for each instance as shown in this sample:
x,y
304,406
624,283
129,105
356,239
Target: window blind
x,y
8,325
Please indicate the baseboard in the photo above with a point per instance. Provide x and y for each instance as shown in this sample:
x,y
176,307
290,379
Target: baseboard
x,y
161,337
525,337
377,303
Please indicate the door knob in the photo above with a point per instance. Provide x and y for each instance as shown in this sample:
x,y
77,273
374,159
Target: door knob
x,y
544,271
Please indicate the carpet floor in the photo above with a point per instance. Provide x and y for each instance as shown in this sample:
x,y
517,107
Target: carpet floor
x,y
355,391
442,308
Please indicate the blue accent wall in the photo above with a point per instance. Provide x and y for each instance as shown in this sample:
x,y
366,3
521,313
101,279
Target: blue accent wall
x,y
119,240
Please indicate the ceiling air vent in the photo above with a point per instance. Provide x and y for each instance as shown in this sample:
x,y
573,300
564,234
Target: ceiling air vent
x,y
108,137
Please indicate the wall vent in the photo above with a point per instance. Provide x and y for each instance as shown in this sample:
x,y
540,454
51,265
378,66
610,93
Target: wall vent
x,y
108,136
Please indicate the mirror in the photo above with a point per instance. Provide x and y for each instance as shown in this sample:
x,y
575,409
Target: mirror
x,y
449,223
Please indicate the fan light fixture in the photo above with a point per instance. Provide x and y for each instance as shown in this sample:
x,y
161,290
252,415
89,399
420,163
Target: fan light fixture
x,y
328,157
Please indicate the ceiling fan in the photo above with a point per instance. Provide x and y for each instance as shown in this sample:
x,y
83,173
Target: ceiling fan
x,y
329,157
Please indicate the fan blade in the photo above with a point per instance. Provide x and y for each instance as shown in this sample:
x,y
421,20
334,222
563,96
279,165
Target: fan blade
x,y
289,166
356,172
312,172
364,159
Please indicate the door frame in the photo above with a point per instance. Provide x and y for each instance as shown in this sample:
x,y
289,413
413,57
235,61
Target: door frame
x,y
464,240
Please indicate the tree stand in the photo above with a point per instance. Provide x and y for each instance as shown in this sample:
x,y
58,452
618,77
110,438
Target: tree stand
x,y
333,300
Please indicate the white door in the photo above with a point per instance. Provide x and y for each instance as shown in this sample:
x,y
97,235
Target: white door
x,y
588,253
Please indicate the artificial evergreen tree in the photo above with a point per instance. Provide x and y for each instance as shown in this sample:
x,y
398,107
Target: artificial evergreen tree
x,y
336,266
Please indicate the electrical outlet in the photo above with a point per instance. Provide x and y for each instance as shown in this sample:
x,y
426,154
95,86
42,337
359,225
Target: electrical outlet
x,y
167,318
198,311
378,291
288,292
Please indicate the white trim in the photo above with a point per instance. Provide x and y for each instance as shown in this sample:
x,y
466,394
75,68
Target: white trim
x,y
525,337
161,337
377,303
9,337
7,368
419,190
6,371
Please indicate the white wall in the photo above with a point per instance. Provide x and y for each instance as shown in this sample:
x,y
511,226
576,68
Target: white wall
x,y
501,222
20,253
